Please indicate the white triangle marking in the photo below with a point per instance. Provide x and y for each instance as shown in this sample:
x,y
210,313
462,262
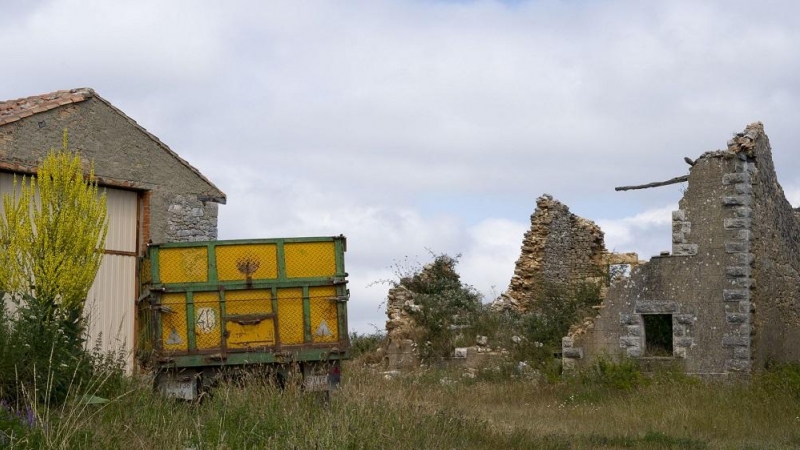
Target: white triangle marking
x,y
323,330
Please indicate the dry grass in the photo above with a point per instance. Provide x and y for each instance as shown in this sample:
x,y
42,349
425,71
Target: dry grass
x,y
442,409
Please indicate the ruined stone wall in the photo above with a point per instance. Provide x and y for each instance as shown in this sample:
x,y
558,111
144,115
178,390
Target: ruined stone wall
x,y
732,283
560,247
699,285
400,352
774,253
183,206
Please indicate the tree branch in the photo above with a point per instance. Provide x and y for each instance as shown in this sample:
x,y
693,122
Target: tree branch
x,y
675,180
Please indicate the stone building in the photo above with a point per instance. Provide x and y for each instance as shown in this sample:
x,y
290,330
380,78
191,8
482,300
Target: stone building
x,y
725,301
152,193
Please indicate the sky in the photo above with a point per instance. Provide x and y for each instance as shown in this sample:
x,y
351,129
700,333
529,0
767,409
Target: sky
x,y
420,127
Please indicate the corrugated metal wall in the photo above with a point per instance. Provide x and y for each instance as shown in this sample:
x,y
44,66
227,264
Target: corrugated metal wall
x,y
110,304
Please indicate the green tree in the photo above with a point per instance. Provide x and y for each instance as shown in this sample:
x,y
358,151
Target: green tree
x,y
52,243
52,236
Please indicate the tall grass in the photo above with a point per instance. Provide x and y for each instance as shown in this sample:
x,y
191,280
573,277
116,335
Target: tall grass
x,y
441,409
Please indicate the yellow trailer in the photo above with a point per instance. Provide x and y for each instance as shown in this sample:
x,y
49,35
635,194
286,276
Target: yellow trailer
x,y
211,305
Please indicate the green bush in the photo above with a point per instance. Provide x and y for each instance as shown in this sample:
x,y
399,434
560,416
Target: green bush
x,y
446,305
366,344
38,358
623,375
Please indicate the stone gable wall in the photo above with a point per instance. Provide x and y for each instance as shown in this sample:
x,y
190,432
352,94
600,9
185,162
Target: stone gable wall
x,y
123,153
560,247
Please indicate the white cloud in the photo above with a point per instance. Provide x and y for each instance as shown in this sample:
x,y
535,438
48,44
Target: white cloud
x,y
792,193
324,117
646,233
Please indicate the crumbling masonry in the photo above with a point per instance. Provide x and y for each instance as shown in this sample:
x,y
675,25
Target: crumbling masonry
x,y
731,286
560,248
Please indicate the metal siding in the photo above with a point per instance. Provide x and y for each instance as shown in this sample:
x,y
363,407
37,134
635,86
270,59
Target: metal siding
x,y
110,304
122,208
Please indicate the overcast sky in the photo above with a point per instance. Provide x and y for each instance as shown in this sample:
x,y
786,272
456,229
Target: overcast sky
x,y
427,126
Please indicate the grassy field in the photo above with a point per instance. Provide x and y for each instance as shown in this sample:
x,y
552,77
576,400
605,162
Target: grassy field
x,y
438,409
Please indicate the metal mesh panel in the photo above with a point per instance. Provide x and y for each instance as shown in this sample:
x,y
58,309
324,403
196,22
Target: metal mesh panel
x,y
247,323
183,265
207,320
290,316
173,322
145,272
324,317
237,262
248,302
310,259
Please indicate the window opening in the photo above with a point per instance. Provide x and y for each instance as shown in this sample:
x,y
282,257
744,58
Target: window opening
x,y
658,334
617,271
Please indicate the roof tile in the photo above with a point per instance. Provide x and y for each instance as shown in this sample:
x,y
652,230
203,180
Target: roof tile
x,y
14,110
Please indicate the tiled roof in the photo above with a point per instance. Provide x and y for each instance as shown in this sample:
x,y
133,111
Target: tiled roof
x,y
14,110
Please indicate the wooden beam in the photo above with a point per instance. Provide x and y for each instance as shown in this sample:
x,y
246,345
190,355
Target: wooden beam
x,y
655,184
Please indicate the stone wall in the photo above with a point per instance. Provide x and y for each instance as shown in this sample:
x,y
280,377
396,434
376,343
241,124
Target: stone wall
x,y
773,257
400,352
560,248
189,219
731,285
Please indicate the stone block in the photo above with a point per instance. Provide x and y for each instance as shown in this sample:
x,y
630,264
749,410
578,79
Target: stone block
x,y
738,365
737,246
572,352
738,271
683,342
732,340
679,216
734,178
685,249
743,235
681,227
629,341
745,329
743,283
741,353
745,166
678,238
747,307
679,352
743,211
633,352
744,259
735,295
684,319
678,330
656,307
737,317
628,319
743,189
566,342
737,200
634,330
738,223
